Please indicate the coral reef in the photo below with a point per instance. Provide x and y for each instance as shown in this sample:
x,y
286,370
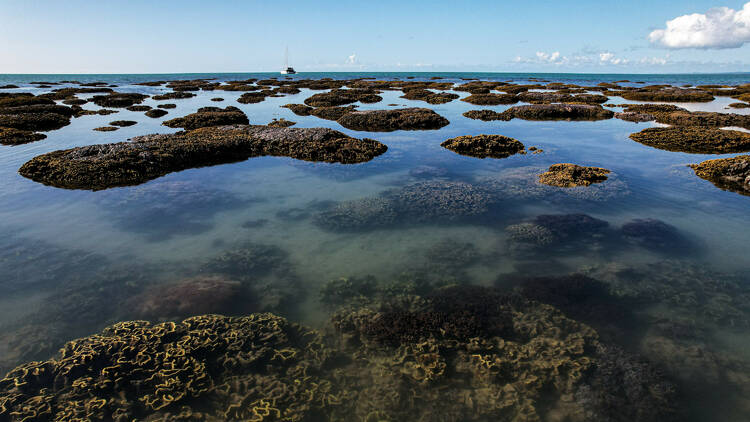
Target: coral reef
x,y
731,173
188,297
148,157
694,139
568,175
482,146
209,116
656,235
156,113
390,120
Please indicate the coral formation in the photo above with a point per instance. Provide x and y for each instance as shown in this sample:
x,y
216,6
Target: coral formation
x,y
390,120
148,157
209,116
731,173
694,139
482,146
568,175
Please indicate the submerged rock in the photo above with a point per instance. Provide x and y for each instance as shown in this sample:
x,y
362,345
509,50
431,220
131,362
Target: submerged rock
x,y
694,139
656,235
390,120
731,174
195,296
209,116
148,157
568,175
482,146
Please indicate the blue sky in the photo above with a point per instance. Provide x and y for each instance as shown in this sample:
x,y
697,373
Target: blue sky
x,y
135,36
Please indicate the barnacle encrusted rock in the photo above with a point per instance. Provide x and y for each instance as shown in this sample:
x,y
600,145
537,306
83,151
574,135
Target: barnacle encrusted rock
x,y
731,174
567,175
209,116
694,139
482,146
390,120
148,157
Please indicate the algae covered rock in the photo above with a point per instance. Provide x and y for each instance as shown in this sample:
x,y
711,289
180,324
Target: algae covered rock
x,y
568,175
156,113
669,94
491,99
422,94
390,120
559,112
482,146
118,100
281,123
731,174
209,116
148,157
10,136
694,139
338,97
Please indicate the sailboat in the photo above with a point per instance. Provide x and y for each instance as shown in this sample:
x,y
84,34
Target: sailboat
x,y
288,70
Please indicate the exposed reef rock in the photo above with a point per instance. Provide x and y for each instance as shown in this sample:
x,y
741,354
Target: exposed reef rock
x,y
139,108
209,116
156,113
105,129
670,94
332,113
545,112
148,157
559,112
299,109
10,136
338,97
421,94
281,123
180,95
118,100
491,99
732,174
536,97
123,123
568,175
390,120
694,139
482,146
167,106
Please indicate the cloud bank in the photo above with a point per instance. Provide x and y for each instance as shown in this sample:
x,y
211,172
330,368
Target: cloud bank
x,y
719,27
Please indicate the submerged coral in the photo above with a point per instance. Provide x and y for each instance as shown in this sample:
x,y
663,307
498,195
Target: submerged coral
x,y
149,157
568,175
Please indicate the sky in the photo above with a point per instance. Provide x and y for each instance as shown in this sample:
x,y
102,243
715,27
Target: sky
x,y
166,36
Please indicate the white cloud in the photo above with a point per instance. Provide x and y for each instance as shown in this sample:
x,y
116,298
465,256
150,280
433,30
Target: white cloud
x,y
352,59
719,27
603,58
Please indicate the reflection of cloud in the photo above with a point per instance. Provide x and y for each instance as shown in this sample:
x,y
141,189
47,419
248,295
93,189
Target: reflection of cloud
x,y
352,59
719,27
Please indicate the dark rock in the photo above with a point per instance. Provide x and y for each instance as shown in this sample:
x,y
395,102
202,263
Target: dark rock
x,y
390,120
482,146
568,175
123,123
10,136
118,100
156,113
139,108
209,116
338,97
148,157
732,174
491,99
694,139
106,129
167,106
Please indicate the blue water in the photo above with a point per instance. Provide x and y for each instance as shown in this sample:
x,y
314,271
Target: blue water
x,y
66,253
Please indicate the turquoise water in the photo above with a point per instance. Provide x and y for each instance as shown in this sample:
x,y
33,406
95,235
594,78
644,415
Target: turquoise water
x,y
73,262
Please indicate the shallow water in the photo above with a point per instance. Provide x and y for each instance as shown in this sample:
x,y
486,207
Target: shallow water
x,y
71,262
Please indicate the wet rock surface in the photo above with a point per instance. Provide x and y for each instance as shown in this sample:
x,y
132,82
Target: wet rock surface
x,y
483,146
148,157
209,116
390,120
731,174
568,175
694,139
